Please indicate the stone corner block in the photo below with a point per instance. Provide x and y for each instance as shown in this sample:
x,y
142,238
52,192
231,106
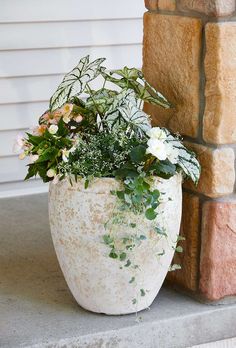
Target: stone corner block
x,y
187,276
218,250
218,171
171,53
151,5
219,123
215,8
168,5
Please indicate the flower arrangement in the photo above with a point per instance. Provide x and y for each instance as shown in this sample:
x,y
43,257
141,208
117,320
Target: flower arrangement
x,y
103,132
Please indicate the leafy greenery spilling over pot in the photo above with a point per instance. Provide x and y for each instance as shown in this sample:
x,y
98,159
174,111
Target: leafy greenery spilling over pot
x,y
103,132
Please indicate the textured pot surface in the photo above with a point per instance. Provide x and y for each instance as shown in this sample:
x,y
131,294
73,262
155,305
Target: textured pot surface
x,y
99,283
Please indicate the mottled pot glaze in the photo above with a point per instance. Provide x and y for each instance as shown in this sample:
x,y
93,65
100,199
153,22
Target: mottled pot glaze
x,y
98,282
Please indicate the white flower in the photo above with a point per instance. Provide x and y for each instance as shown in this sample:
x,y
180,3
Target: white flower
x,y
51,173
66,118
156,133
33,158
53,129
172,153
157,148
19,143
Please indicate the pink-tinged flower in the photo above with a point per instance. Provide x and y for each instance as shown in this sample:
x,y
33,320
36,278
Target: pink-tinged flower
x,y
46,117
53,129
33,158
51,173
19,143
52,117
22,155
66,112
79,118
39,130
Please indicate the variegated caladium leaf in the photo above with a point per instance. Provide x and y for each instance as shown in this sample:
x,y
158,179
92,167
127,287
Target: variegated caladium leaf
x,y
136,119
74,83
124,110
187,160
132,78
101,100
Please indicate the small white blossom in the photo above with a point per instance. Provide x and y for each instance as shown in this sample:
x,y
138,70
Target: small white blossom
x,y
51,173
156,133
79,119
19,143
53,129
157,148
33,158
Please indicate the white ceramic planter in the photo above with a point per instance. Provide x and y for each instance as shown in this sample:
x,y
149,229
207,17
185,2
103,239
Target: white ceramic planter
x,y
77,217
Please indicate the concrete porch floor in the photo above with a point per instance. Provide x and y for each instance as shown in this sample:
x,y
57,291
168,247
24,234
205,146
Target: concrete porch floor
x,y
37,309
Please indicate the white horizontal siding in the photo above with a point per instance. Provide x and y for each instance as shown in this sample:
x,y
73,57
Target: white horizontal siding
x,y
20,116
61,60
69,34
12,169
68,10
42,40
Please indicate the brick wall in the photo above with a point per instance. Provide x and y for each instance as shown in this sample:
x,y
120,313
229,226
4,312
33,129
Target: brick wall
x,y
189,54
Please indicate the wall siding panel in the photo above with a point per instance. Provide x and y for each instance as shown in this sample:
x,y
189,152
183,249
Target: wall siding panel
x,y
42,40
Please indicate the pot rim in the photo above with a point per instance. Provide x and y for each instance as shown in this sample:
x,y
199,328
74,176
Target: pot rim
x,y
105,184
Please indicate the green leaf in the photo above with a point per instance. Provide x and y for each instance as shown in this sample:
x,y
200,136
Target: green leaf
x,y
179,249
137,153
150,214
142,237
123,256
128,263
62,129
158,230
142,292
32,171
86,183
127,171
49,154
132,280
107,239
134,301
113,255
163,169
34,139
75,81
162,253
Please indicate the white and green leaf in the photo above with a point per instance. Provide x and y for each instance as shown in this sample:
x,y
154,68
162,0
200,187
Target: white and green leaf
x,y
74,83
186,159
